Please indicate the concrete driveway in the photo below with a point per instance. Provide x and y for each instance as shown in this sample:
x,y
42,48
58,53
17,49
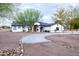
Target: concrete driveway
x,y
39,38
38,45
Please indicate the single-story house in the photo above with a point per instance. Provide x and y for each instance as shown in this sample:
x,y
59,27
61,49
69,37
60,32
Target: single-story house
x,y
15,27
41,27
37,27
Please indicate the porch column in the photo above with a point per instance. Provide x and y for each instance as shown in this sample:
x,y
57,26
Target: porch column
x,y
38,28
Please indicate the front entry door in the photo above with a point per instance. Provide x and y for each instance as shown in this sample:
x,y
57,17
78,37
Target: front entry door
x,y
35,28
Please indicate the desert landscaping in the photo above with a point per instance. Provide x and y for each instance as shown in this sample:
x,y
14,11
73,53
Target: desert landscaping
x,y
59,45
38,29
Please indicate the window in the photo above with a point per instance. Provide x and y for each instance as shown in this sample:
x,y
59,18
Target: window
x,y
57,28
19,26
14,28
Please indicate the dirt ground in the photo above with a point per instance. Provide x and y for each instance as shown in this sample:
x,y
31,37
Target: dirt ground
x,y
59,45
10,40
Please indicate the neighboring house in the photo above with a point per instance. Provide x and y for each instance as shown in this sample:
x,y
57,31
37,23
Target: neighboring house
x,y
15,27
45,27
4,22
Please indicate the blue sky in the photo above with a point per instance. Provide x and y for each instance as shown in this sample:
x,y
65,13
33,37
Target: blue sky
x,y
47,9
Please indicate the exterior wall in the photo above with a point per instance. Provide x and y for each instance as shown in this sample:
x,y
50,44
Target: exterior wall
x,y
47,28
38,29
53,28
26,29
16,29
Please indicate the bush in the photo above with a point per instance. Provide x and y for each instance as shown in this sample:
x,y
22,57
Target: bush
x,y
46,31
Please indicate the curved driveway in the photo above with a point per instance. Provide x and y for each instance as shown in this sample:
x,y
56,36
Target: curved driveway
x,y
38,38
35,38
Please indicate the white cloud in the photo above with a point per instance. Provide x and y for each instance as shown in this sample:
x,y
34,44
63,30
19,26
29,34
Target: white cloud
x,y
47,19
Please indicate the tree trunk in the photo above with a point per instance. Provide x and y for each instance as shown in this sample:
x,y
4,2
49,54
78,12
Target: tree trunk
x,y
32,29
